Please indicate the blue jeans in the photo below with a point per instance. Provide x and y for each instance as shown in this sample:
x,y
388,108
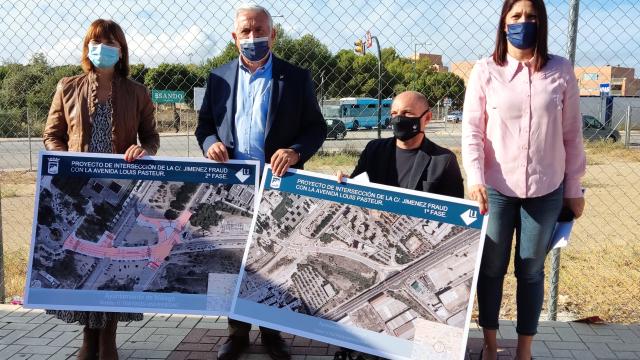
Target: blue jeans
x,y
533,220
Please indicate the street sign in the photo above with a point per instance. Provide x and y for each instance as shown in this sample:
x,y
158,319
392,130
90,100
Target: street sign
x,y
446,102
605,88
167,96
198,96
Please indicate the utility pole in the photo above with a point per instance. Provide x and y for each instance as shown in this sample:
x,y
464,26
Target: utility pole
x,y
369,44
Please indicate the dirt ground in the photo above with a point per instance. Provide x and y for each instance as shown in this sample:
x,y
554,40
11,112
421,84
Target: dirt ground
x,y
600,269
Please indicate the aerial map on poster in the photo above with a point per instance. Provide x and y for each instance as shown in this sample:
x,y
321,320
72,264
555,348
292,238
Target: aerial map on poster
x,y
379,269
154,235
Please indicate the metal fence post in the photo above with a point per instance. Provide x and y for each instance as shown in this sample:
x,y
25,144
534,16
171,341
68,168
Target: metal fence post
x,y
555,254
627,128
29,140
188,139
1,253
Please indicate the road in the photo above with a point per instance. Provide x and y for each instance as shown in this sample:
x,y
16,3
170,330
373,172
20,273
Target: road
x,y
14,153
452,246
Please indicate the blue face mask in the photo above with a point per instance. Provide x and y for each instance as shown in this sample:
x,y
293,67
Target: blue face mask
x,y
254,49
103,56
522,35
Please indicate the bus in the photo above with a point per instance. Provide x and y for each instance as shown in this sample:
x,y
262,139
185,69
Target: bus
x,y
358,113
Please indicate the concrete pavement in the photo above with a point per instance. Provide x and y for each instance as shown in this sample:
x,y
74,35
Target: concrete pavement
x,y
31,334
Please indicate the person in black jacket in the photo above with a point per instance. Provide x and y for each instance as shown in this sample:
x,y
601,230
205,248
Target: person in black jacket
x,y
408,159
259,107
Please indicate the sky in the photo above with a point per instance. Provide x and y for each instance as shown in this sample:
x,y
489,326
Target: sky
x,y
190,31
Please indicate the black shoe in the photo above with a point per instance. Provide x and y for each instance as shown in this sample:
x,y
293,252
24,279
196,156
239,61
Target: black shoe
x,y
233,348
275,346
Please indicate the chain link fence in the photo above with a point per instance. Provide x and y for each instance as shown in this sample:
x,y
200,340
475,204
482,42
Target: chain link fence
x,y
425,46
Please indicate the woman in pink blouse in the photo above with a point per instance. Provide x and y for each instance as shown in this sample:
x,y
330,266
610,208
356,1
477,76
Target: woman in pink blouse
x,y
523,154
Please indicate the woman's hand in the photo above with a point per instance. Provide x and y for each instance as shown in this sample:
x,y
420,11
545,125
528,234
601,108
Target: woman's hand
x,y
576,205
134,152
341,176
479,194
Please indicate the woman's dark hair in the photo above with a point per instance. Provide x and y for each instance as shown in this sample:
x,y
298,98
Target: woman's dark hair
x,y
541,50
106,30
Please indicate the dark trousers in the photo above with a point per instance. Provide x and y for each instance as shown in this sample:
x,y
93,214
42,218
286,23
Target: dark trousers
x,y
533,220
240,328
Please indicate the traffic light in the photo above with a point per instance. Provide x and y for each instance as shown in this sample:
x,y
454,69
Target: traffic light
x,y
359,47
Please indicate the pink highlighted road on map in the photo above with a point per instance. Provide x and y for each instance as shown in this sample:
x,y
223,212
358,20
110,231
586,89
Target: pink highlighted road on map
x,y
156,254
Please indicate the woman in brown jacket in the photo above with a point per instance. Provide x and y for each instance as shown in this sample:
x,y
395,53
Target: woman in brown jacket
x,y
101,111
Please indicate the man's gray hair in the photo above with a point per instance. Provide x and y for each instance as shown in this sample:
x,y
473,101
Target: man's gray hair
x,y
254,8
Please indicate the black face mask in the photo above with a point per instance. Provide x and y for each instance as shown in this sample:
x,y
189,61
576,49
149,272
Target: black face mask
x,y
406,127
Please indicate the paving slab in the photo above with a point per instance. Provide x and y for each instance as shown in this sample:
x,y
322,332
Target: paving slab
x,y
31,334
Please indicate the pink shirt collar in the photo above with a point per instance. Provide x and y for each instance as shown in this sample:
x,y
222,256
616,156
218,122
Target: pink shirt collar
x,y
513,66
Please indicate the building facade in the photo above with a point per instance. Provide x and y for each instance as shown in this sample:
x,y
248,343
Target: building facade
x,y
622,80
434,59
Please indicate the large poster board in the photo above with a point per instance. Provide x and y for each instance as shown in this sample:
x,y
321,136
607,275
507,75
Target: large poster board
x,y
159,234
374,268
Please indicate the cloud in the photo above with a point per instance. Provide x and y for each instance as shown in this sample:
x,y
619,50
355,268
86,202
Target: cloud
x,y
145,48
153,49
164,31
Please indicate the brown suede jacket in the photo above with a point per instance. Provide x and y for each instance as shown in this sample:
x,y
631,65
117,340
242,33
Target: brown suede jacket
x,y
69,122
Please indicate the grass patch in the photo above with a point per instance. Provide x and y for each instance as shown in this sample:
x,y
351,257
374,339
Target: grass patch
x,y
599,268
15,271
17,183
604,152
323,161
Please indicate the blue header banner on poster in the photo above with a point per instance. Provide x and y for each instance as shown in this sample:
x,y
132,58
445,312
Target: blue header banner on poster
x,y
114,167
376,198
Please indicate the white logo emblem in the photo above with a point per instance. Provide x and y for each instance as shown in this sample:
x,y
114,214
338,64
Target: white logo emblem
x,y
243,174
53,165
275,182
469,217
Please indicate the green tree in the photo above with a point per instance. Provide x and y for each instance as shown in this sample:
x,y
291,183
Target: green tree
x,y
308,53
21,89
342,84
18,84
229,53
39,98
137,72
177,77
438,86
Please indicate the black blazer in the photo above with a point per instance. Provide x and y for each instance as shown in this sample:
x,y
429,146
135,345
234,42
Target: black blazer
x,y
294,119
435,170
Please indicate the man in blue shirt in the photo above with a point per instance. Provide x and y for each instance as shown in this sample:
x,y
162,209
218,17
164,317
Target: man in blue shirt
x,y
263,108
259,106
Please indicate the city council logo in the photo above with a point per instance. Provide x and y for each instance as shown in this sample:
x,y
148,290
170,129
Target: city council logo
x,y
53,165
275,182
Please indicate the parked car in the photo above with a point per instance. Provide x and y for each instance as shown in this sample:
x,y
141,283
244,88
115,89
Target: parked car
x,y
454,116
335,129
593,129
